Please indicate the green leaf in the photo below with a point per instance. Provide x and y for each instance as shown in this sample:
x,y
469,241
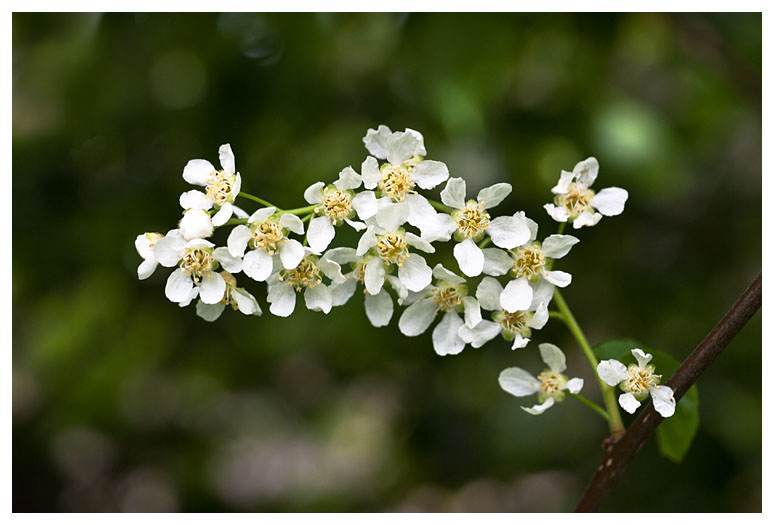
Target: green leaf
x,y
674,434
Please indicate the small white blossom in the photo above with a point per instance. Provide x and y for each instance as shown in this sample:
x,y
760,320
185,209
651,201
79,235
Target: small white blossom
x,y
448,295
222,186
308,275
514,324
575,201
238,298
144,244
470,221
550,385
638,381
389,248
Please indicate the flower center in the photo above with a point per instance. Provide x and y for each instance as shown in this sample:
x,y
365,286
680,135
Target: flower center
x,y
392,248
472,220
337,205
396,182
268,236
512,322
446,298
220,187
550,382
529,261
305,275
576,200
641,379
197,262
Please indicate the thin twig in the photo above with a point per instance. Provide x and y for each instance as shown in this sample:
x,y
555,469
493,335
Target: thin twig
x,y
619,454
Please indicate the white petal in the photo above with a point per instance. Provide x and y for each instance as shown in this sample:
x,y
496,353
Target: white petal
x,y
454,193
610,201
441,273
399,288
342,292
193,294
330,269
196,224
562,185
146,268
586,219
420,148
479,335
169,250
209,312
586,171
430,173
519,342
262,214
557,246
574,385
365,205
143,246
320,234
417,318
318,299
194,200
494,195
445,338
356,225
212,288
663,399
239,212
178,287
543,291
370,172
472,311
257,264
392,215
642,357
489,294
517,295
469,257
197,172
612,372
558,278
539,409
628,402
199,243
246,303
379,308
421,212
292,222
238,240
518,382
235,191
374,276
348,179
223,215
540,317
508,232
282,299
553,357
401,146
226,158
291,254
342,255
314,193
415,273
438,228
376,139
531,225
367,241
556,213
416,242
496,262
229,263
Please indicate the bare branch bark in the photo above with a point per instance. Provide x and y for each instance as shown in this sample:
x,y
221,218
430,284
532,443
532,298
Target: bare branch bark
x,y
619,454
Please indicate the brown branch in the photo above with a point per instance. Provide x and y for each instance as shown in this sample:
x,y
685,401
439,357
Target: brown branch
x,y
619,454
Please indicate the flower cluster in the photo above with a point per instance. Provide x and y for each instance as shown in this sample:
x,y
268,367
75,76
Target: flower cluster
x,y
502,282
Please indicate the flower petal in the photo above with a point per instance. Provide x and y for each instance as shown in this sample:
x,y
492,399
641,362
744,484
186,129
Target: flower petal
x,y
557,246
314,193
519,342
415,273
454,193
146,268
348,179
663,399
246,303
262,214
379,308
370,172
391,215
419,243
628,402
342,292
374,276
229,263
209,312
558,278
556,213
365,205
586,219
586,171
612,372
493,195
330,269
292,222
238,240
610,201
442,274
226,157
194,200
320,234
517,295
282,299
496,262
342,255
223,215
212,288
445,338
553,357
479,335
539,409
430,173
291,254
489,294
196,224
417,318
318,299
518,382
574,385
469,257
642,357
257,264
367,241
472,311
178,287
508,232
562,185
540,317
169,250
400,146
197,172
376,139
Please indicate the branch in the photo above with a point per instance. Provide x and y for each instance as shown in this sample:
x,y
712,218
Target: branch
x,y
619,454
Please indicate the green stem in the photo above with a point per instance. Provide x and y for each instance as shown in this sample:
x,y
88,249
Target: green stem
x,y
609,398
257,199
486,242
441,207
307,217
232,222
556,315
594,406
561,228
302,211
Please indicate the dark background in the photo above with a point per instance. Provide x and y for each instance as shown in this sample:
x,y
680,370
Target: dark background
x,y
123,401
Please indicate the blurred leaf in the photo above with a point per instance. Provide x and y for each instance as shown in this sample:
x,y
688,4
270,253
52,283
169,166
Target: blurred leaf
x,y
675,434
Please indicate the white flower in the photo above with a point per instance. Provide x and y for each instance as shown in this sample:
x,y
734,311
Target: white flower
x,y
222,186
531,313
266,233
308,276
638,381
448,295
471,221
144,244
337,203
238,298
550,385
391,247
575,201
197,261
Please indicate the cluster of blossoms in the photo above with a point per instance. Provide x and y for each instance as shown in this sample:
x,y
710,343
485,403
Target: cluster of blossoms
x,y
502,284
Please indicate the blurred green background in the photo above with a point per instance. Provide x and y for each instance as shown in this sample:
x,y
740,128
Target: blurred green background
x,y
123,401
